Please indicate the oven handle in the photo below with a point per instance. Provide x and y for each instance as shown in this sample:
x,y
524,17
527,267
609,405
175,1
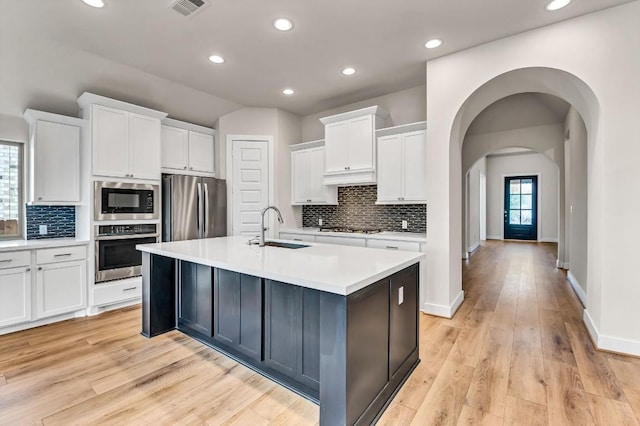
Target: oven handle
x,y
125,237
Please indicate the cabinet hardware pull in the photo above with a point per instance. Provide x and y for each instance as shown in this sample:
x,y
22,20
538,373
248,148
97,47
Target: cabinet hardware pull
x,y
27,270
297,239
39,198
129,289
62,254
392,247
185,167
6,260
39,268
190,168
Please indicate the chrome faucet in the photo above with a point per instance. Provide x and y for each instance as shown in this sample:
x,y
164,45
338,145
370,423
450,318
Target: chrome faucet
x,y
262,228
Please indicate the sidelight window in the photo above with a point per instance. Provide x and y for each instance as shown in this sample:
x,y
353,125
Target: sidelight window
x,y
10,190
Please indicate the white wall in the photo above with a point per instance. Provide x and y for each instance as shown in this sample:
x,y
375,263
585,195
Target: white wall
x,y
592,62
13,129
577,197
473,209
406,106
285,128
527,163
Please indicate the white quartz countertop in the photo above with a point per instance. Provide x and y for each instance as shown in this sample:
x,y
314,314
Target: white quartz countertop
x,y
13,245
385,235
327,267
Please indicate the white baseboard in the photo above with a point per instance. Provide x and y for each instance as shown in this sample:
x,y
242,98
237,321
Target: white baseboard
x,y
41,322
609,343
96,310
494,237
444,310
548,240
577,288
562,265
473,247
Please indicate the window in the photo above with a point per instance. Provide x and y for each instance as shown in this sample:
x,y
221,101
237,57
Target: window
x,y
10,190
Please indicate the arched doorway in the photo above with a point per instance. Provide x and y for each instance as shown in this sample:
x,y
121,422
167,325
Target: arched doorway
x,y
443,293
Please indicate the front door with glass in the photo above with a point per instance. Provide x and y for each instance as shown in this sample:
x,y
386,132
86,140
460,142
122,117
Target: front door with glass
x,y
520,208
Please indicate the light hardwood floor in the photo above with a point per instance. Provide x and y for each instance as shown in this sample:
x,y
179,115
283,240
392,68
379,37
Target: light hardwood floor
x,y
515,353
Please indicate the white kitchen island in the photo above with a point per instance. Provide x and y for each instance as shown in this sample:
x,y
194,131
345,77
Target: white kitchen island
x,y
337,324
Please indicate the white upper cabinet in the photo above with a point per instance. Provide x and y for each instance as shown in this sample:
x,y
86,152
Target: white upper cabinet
x,y
350,146
110,130
125,138
144,147
307,175
336,153
54,157
187,148
175,148
200,152
402,165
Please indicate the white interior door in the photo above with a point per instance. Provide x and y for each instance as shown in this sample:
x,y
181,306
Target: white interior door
x,y
250,185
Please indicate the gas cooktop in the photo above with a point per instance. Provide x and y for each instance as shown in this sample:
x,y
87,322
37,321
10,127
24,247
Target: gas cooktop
x,y
350,230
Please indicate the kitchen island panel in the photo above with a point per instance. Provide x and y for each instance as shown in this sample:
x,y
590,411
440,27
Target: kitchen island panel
x,y
334,349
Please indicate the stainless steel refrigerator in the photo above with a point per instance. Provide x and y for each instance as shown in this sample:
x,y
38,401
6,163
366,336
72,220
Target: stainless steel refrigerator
x,y
193,207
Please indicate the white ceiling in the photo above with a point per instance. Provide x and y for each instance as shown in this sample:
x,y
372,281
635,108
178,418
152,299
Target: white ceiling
x,y
383,39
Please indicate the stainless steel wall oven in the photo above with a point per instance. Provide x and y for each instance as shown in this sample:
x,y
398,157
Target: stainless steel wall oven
x,y
116,254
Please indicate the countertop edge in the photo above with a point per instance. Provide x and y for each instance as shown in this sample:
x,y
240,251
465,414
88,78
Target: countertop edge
x,y
384,235
343,291
22,245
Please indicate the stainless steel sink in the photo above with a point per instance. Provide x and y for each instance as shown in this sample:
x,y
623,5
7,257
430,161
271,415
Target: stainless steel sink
x,y
284,245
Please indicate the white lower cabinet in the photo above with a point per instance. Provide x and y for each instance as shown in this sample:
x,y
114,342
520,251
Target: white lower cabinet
x,y
117,291
297,237
341,241
60,288
15,295
393,245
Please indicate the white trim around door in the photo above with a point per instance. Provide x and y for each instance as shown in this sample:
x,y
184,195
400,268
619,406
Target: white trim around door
x,y
539,207
229,162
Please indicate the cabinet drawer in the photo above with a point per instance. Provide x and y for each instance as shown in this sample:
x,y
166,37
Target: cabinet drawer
x,y
342,241
394,245
14,259
297,237
61,254
106,294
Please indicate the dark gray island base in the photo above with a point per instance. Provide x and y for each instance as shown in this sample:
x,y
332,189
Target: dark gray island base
x,y
350,354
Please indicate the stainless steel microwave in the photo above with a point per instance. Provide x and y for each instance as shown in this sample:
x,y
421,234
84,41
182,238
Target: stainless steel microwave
x,y
126,201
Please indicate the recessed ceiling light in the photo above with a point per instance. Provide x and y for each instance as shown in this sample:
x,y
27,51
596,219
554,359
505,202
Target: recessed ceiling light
x,y
94,3
283,24
432,44
349,71
557,4
216,59
288,92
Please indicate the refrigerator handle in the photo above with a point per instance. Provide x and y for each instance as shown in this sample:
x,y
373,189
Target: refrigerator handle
x,y
206,211
199,220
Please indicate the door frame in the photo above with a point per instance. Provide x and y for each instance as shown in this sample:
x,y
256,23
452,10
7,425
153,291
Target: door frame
x,y
538,200
229,172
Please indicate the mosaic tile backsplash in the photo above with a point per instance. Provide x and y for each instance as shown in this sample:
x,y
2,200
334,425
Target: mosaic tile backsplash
x,y
60,221
357,209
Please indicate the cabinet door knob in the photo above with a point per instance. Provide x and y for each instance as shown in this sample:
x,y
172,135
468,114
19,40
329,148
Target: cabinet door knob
x,y
130,175
39,268
190,168
39,198
185,167
27,270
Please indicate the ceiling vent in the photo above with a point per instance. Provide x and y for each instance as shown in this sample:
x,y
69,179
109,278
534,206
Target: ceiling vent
x,y
188,8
